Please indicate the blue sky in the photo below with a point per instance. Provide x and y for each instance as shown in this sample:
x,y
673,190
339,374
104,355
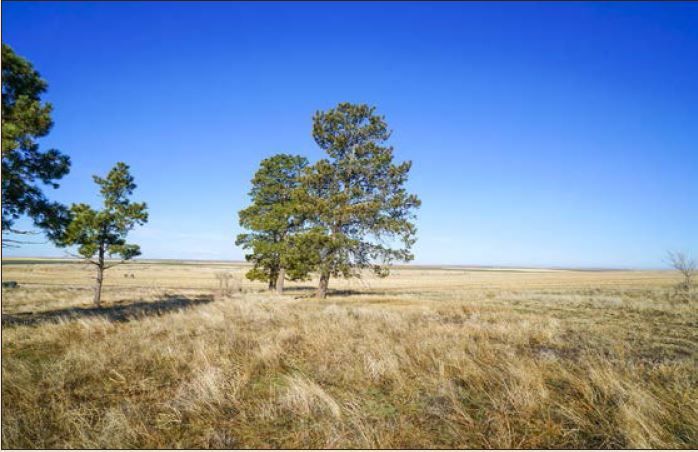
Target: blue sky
x,y
548,134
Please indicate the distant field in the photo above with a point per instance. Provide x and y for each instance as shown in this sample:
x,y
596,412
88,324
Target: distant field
x,y
202,274
34,260
429,357
52,260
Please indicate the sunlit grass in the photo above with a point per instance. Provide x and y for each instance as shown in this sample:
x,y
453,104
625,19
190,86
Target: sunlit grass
x,y
426,358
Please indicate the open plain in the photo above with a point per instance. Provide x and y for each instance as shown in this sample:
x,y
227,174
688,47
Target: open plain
x,y
428,357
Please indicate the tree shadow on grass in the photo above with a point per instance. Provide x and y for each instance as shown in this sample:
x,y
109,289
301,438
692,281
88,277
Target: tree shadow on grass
x,y
309,292
354,292
292,289
114,313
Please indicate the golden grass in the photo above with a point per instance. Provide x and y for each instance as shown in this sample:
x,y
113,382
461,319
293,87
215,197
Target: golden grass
x,y
425,358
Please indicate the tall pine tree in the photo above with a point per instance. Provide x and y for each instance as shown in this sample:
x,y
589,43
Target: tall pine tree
x,y
360,213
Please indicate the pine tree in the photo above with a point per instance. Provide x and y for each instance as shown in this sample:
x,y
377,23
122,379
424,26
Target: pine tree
x,y
274,220
24,119
360,213
102,233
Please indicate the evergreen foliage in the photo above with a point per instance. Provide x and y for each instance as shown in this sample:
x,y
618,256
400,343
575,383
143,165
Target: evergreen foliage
x,y
345,213
360,213
25,118
274,219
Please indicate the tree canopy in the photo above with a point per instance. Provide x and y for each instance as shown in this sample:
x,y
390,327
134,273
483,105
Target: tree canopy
x,y
273,219
25,118
360,213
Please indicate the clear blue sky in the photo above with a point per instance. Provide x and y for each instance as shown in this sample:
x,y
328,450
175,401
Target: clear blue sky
x,y
551,134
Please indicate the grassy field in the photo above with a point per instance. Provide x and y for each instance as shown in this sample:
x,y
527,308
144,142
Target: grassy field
x,y
429,357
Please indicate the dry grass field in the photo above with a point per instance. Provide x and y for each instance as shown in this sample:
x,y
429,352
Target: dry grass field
x,y
429,357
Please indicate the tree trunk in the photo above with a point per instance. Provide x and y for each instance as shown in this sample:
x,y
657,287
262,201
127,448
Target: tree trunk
x,y
324,282
280,281
100,277
98,286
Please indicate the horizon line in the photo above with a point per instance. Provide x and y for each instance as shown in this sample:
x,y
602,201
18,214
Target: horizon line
x,y
444,265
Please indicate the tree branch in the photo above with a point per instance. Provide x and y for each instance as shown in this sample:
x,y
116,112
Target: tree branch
x,y
11,243
18,231
86,260
107,267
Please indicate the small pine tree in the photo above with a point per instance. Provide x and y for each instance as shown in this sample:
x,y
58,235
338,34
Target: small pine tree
x,y
102,233
274,220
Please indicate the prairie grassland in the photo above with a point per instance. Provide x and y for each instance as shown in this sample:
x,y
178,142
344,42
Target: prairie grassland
x,y
425,358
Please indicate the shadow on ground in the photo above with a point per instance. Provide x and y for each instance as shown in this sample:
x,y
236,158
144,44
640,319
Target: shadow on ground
x,y
354,292
309,291
115,313
302,292
297,289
